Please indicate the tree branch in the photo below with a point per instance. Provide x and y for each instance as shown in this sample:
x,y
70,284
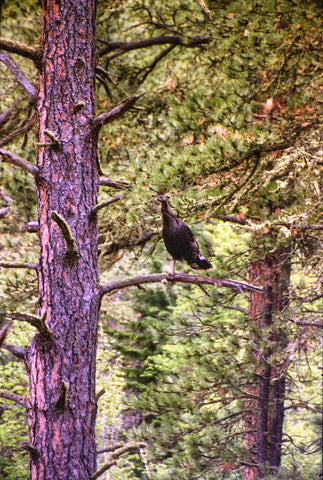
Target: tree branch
x,y
10,157
149,42
18,74
37,322
98,207
169,277
32,266
20,49
18,352
115,112
148,69
20,131
4,211
115,454
67,234
14,397
114,184
4,116
128,243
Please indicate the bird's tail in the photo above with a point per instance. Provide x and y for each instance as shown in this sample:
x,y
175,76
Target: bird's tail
x,y
201,263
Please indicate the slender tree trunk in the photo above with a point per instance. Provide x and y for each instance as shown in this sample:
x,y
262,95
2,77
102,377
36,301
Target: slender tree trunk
x,y
61,365
265,427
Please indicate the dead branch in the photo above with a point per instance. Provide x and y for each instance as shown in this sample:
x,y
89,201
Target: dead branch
x,y
170,277
18,74
19,48
14,397
128,243
98,207
18,352
20,131
67,234
4,211
30,227
4,116
148,69
10,157
115,112
114,456
37,322
106,182
306,324
32,266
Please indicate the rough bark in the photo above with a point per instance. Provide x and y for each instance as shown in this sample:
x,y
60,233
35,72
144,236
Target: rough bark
x,y
265,426
62,409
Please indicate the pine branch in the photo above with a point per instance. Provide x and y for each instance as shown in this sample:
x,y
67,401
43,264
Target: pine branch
x,y
170,277
10,157
37,322
20,49
67,234
14,397
98,207
149,42
18,74
116,111
114,456
32,266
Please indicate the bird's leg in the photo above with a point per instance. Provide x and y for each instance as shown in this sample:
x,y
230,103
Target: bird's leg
x,y
174,261
182,267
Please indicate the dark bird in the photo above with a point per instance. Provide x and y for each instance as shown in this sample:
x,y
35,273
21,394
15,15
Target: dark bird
x,y
180,241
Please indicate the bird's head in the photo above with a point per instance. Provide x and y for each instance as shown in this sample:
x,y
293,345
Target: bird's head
x,y
163,200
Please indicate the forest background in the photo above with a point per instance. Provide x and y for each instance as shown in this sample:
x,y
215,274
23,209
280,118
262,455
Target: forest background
x,y
193,381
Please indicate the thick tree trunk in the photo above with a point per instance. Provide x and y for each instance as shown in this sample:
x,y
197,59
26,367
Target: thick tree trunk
x,y
61,365
265,427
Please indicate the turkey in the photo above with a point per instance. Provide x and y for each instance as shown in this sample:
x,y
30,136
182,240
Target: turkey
x,y
180,241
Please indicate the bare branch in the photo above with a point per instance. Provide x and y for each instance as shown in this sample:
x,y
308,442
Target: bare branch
x,y
307,324
149,42
18,74
67,234
115,112
20,131
18,161
98,207
128,243
4,211
19,48
170,277
148,69
37,322
117,453
4,116
113,183
32,266
18,352
30,227
21,400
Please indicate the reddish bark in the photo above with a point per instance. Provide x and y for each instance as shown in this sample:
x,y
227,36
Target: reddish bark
x,y
62,409
264,427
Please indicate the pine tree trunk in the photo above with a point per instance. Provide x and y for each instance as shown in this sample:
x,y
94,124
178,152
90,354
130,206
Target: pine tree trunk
x,y
61,365
264,427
